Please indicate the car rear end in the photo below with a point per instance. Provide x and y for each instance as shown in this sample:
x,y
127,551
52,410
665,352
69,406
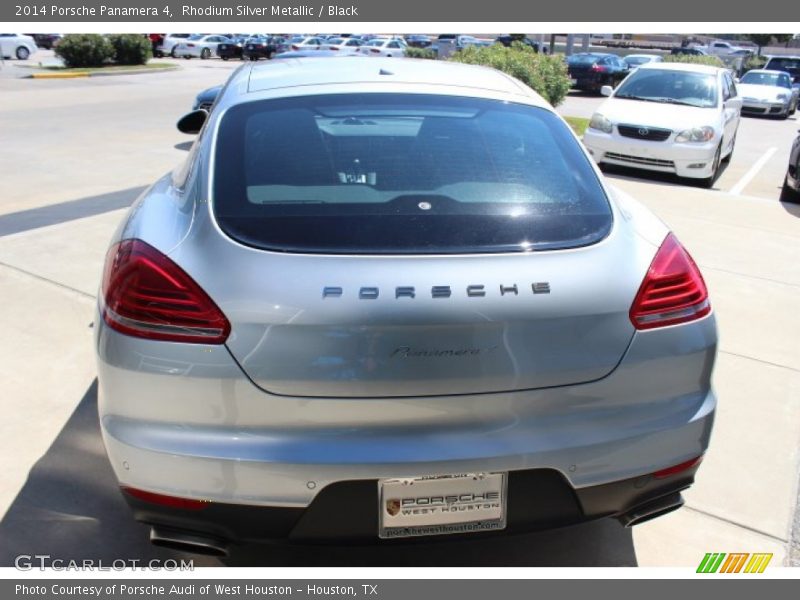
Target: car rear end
x,y
231,49
586,72
189,48
375,47
170,41
423,313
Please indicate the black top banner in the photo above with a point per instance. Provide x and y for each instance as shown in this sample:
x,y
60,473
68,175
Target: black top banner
x,y
451,11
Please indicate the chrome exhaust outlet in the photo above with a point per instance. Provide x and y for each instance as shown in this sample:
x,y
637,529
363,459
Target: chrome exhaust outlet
x,y
651,510
187,542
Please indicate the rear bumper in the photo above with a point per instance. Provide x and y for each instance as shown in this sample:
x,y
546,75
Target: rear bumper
x,y
538,499
584,81
183,420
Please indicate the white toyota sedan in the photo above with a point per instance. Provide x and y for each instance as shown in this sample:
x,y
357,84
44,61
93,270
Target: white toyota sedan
x,y
670,117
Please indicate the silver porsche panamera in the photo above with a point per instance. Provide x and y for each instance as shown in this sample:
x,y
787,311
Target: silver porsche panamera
x,y
395,299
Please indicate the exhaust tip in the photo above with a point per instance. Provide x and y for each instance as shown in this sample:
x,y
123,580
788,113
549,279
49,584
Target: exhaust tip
x,y
650,510
188,542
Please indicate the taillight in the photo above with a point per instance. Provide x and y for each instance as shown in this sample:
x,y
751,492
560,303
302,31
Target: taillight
x,y
673,291
164,500
147,295
599,68
295,47
375,50
679,468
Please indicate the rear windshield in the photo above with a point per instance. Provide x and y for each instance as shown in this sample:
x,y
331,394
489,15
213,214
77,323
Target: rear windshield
x,y
403,174
584,59
790,65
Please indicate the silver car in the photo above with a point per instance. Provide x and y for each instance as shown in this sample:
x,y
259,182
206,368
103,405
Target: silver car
x,y
385,299
766,92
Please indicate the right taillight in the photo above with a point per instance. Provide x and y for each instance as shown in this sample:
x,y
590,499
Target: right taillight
x,y
147,295
673,291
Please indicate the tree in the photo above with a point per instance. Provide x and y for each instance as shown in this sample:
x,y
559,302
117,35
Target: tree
x,y
764,39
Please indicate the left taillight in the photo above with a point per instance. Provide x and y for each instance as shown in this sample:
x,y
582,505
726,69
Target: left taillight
x,y
146,295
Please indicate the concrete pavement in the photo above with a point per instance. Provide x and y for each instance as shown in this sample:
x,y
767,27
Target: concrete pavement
x,y
86,147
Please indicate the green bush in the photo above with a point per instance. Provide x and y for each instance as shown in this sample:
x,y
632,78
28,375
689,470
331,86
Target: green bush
x,y
84,50
712,61
754,62
545,74
131,49
420,53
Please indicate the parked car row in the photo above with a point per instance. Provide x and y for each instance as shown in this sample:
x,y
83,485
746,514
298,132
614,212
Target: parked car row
x,y
236,45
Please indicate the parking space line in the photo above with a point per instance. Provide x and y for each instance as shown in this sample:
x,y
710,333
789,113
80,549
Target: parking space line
x,y
748,177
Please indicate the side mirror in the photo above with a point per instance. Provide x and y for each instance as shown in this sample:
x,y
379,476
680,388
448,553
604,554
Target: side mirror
x,y
193,122
606,90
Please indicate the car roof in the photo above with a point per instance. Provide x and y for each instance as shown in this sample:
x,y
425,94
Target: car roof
x,y
357,72
767,71
674,66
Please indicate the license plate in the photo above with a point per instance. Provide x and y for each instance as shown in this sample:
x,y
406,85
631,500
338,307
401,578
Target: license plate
x,y
443,504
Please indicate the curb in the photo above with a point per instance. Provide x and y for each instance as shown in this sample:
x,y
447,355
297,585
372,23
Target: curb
x,y
81,74
57,75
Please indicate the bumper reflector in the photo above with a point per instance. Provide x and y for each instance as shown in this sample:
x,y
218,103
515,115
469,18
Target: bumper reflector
x,y
679,468
164,500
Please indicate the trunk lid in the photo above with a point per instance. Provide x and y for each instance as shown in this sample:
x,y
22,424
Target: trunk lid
x,y
418,326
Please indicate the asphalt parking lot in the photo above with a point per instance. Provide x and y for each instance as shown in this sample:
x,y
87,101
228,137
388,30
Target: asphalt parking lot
x,y
78,151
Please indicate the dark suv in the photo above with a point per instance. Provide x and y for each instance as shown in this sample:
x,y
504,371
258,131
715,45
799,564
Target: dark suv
x,y
788,64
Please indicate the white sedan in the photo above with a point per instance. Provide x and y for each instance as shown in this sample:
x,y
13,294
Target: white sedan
x,y
344,46
671,117
203,46
385,47
16,45
634,61
306,43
